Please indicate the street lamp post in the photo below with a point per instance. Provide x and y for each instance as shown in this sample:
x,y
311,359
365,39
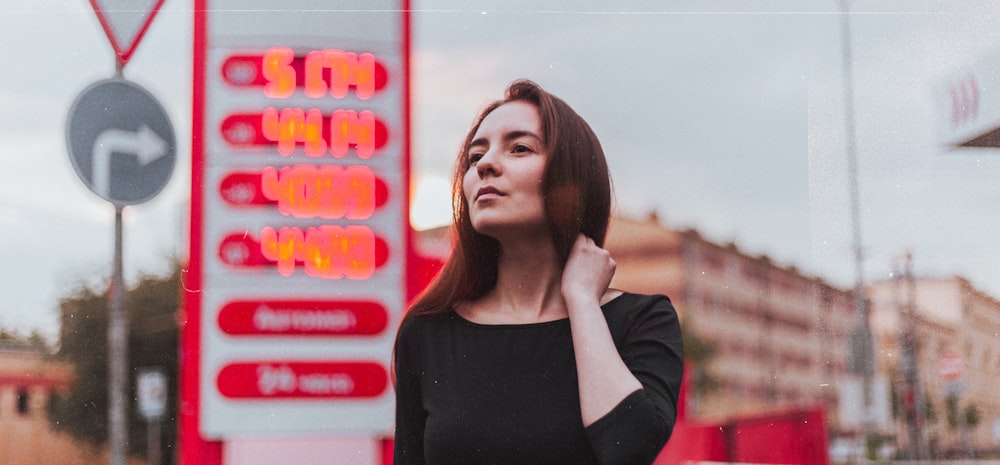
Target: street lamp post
x,y
909,351
862,352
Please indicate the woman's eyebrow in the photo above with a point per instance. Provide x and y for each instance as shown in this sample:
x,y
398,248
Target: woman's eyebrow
x,y
507,137
480,142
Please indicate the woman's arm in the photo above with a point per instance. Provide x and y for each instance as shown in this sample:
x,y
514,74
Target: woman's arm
x,y
604,379
629,382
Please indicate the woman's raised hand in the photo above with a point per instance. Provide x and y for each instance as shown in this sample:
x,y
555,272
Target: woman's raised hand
x,y
587,273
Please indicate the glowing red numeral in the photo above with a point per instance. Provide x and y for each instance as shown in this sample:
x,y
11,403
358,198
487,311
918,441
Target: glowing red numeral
x,y
280,246
284,128
346,69
312,134
332,191
330,252
350,128
347,128
277,69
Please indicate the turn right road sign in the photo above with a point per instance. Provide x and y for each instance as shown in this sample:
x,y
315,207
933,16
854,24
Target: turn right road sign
x,y
121,142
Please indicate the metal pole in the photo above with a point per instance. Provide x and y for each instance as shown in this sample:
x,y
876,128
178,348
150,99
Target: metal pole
x,y
864,336
153,442
117,355
911,371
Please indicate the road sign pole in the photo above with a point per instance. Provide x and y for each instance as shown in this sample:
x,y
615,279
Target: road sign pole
x,y
153,442
117,355
121,143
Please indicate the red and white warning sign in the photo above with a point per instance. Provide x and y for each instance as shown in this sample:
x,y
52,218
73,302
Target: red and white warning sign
x,y
125,22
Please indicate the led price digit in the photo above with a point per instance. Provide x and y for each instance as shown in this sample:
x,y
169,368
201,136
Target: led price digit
x,y
346,70
330,191
329,251
347,128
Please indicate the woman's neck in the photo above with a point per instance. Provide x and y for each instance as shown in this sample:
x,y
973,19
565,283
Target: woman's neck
x,y
528,285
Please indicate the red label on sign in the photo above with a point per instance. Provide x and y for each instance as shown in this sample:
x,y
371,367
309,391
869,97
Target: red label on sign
x,y
249,70
287,247
303,317
302,380
319,134
247,189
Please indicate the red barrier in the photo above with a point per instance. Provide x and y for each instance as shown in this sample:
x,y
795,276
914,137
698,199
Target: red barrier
x,y
793,437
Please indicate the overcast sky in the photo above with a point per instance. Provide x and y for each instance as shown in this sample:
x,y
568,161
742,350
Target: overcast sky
x,y
726,117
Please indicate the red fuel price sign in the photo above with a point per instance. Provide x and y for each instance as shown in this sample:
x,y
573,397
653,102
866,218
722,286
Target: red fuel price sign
x,y
299,229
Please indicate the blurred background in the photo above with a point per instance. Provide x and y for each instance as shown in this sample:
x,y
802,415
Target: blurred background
x,y
724,125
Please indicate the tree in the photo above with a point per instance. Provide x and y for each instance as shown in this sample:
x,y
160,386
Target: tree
x,y
698,353
15,340
951,406
153,342
972,416
929,413
968,418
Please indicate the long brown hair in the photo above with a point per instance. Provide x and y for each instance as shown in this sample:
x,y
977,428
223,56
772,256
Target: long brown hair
x,y
576,188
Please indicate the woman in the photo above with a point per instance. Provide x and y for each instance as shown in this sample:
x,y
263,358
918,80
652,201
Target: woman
x,y
518,353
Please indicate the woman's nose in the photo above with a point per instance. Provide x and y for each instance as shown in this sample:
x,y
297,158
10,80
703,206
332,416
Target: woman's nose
x,y
488,165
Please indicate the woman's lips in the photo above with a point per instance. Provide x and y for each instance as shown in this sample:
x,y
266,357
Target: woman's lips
x,y
488,192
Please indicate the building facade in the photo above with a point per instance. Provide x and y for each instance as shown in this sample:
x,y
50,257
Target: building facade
x,y
779,336
28,379
957,358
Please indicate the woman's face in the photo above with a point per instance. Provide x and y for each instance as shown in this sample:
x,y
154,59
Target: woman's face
x,y
503,185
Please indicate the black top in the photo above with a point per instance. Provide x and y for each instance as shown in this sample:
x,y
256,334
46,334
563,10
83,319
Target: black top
x,y
470,393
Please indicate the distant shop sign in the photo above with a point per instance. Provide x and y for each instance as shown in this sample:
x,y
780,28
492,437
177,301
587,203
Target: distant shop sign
x,y
968,105
950,366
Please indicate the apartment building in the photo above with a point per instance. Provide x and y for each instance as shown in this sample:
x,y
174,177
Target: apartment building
x,y
957,353
780,336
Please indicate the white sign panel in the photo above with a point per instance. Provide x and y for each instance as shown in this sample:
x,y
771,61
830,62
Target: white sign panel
x,y
968,105
301,222
151,393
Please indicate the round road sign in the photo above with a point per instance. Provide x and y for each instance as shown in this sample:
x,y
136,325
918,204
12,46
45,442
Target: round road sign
x,y
120,141
950,366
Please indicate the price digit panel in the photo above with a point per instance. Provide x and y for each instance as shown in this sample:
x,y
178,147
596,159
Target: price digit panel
x,y
299,214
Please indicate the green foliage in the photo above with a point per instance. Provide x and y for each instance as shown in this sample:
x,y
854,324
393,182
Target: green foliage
x,y
894,399
15,340
152,307
951,406
929,413
972,416
698,353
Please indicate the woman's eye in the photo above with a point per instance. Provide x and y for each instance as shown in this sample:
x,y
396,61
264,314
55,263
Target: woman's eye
x,y
520,149
475,157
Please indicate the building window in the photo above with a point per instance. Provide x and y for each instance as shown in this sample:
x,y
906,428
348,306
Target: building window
x,y
22,401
